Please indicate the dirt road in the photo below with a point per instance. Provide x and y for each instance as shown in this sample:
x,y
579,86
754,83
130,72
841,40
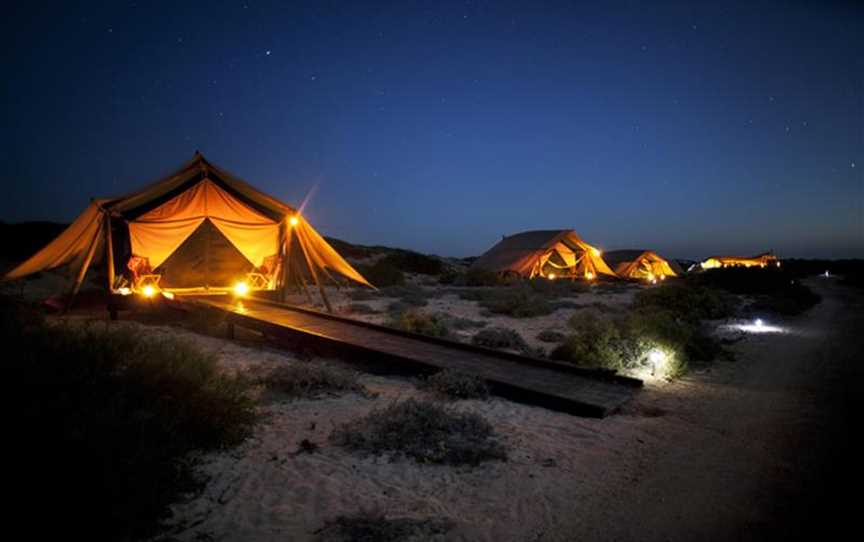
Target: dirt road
x,y
754,449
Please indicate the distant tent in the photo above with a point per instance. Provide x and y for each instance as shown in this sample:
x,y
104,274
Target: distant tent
x,y
642,265
546,253
199,229
762,260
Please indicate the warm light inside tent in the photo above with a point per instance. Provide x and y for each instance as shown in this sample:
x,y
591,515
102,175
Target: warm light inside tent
x,y
293,221
124,291
168,295
241,289
589,275
551,276
149,291
597,252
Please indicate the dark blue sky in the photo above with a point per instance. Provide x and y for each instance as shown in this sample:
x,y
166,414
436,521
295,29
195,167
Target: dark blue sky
x,y
441,126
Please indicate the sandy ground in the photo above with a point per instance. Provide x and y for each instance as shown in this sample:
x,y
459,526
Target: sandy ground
x,y
748,450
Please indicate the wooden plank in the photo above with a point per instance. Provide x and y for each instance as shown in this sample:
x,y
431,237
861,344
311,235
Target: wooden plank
x,y
549,384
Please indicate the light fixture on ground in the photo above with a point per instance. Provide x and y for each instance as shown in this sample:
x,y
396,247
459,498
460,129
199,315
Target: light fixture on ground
x,y
657,358
149,291
241,289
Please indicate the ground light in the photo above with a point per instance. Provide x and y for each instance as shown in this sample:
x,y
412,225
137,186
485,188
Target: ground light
x,y
148,291
758,326
657,358
589,275
241,289
551,276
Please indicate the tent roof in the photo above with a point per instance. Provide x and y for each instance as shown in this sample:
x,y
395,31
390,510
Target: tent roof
x,y
521,251
616,257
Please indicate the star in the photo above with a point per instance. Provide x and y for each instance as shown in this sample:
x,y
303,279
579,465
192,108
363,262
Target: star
x,y
267,52
852,165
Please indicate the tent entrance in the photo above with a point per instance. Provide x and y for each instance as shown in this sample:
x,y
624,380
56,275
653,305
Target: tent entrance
x,y
206,259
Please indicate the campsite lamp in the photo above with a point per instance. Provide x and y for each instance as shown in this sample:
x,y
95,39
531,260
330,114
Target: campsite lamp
x,y
149,291
293,221
589,275
241,289
759,322
656,357
551,276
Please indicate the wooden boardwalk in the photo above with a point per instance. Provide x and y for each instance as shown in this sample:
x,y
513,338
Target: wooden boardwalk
x,y
535,381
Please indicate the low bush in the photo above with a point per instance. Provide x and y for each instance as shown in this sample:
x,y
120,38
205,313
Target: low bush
x,y
413,262
109,420
500,338
456,385
550,336
412,296
515,301
361,294
311,380
375,527
382,274
480,277
774,289
658,341
360,308
433,325
690,301
424,431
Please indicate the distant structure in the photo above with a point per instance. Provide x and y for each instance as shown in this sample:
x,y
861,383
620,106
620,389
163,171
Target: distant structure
x,y
544,253
642,265
762,260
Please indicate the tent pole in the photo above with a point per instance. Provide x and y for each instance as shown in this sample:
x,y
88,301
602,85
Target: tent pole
x,y
316,279
302,284
83,271
109,253
286,260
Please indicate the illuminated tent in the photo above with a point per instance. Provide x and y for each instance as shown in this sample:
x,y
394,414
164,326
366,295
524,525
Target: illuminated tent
x,y
546,253
641,264
199,229
762,260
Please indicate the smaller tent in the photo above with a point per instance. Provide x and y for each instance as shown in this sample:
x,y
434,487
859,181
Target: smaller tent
x,y
642,265
544,253
762,260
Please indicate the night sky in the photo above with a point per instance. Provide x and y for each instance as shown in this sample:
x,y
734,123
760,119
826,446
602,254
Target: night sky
x,y
441,126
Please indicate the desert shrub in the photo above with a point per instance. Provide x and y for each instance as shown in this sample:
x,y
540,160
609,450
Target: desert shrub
x,y
550,336
310,380
374,526
451,275
413,262
361,294
456,385
360,308
631,343
457,322
433,325
515,301
481,277
690,301
499,337
424,431
109,420
382,274
412,296
774,290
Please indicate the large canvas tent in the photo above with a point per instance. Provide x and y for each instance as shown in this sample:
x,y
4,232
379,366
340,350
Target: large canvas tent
x,y
546,253
641,265
762,260
198,229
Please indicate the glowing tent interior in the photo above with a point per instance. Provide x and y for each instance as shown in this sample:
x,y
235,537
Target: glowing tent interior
x,y
762,260
642,265
200,229
546,253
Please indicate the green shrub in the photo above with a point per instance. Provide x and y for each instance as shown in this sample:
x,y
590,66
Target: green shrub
x,y
312,380
413,262
774,289
514,301
550,336
433,325
500,338
411,296
451,275
456,385
375,527
424,431
360,308
481,277
108,420
688,301
382,274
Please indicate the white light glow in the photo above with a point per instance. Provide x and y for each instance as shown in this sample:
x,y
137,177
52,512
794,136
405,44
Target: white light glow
x,y
241,289
125,291
551,276
148,291
293,221
168,295
759,322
